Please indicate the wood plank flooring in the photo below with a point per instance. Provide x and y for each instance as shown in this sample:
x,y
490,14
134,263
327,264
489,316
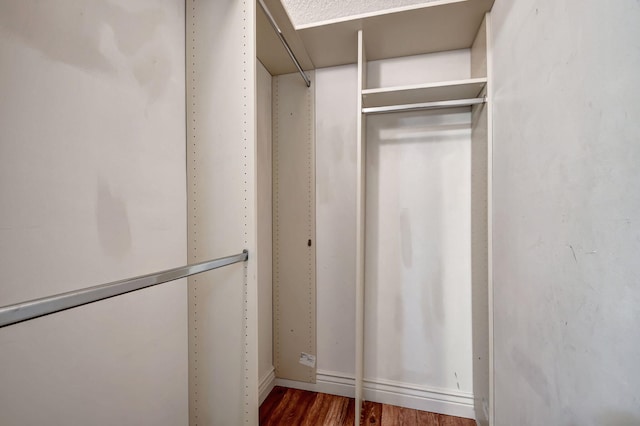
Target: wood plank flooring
x,y
289,407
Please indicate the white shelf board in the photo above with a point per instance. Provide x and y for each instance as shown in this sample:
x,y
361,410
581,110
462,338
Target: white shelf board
x,y
430,27
421,93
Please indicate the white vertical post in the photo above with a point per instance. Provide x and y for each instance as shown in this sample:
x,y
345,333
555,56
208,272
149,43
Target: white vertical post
x,y
360,227
489,107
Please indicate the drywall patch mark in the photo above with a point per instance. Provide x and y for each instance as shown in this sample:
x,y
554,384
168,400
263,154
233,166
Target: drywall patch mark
x,y
405,241
132,30
437,294
73,35
62,35
339,145
618,418
532,374
113,222
153,73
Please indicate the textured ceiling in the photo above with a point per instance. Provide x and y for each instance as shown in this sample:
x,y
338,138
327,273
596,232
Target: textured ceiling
x,y
303,12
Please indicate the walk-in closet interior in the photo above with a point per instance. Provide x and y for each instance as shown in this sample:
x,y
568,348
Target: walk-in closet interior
x,y
380,185
426,204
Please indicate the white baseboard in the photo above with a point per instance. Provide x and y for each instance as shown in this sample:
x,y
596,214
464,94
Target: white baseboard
x,y
443,401
267,382
326,382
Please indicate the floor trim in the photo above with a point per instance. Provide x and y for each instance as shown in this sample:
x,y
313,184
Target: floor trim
x,y
443,401
267,382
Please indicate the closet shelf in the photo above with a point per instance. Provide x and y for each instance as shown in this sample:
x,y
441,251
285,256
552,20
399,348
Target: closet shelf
x,y
429,27
422,93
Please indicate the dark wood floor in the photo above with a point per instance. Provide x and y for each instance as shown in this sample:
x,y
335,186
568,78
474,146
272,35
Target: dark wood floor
x,y
292,407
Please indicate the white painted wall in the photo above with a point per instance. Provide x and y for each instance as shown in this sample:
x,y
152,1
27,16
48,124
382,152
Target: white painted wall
x,y
335,218
419,69
92,189
566,202
264,216
418,264
418,316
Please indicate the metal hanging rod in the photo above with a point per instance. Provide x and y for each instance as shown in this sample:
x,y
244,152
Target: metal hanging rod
x,y
423,106
24,311
273,23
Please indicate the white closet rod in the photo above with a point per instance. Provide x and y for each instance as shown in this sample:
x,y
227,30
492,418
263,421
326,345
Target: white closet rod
x,y
276,28
426,105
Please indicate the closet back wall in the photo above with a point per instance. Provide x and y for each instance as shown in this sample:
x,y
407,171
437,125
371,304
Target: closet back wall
x,y
425,354
92,189
335,221
418,265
